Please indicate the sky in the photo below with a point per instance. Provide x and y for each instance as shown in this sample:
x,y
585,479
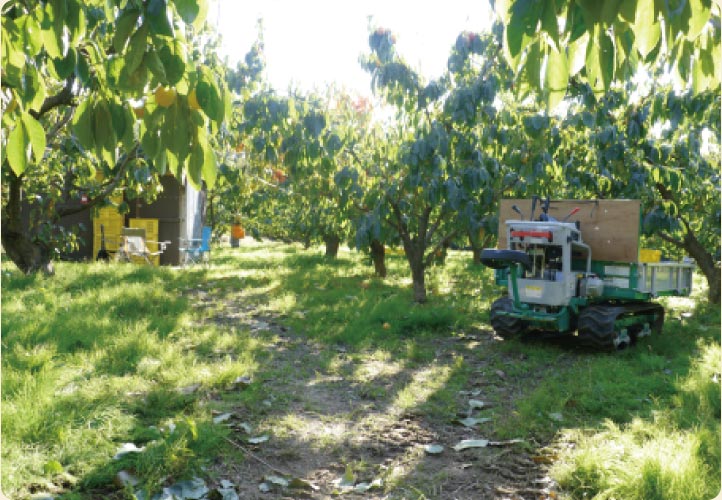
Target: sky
x,y
312,43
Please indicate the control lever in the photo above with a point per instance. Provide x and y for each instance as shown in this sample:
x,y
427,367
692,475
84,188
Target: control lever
x,y
570,214
534,198
516,209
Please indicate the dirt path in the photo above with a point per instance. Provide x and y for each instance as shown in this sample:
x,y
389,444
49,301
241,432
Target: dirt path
x,y
342,426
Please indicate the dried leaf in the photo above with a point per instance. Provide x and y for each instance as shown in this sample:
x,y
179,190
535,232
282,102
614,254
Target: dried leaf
x,y
246,427
242,382
127,448
471,443
433,449
124,478
259,439
264,487
472,422
347,481
277,480
476,404
222,418
301,484
506,442
193,489
227,494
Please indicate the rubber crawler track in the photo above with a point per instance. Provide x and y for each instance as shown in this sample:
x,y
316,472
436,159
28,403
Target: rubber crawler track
x,y
597,327
505,326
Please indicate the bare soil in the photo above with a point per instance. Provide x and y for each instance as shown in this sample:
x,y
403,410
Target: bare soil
x,y
324,420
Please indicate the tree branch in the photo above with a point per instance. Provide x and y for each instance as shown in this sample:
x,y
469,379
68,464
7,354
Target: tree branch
x,y
109,188
671,239
64,97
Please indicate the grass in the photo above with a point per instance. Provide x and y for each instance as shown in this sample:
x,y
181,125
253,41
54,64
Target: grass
x,y
102,355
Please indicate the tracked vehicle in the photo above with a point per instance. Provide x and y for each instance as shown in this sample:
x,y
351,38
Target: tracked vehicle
x,y
585,277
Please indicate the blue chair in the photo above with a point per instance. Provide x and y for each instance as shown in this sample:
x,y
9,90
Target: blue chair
x,y
195,250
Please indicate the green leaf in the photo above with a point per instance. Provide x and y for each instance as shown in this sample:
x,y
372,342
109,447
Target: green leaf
x,y
701,14
105,138
188,10
136,49
646,30
82,70
610,9
124,25
556,78
75,21
32,36
32,88
195,166
210,165
549,21
577,54
173,58
36,134
531,74
151,143
51,43
83,124
209,96
119,119
627,10
600,60
158,17
523,21
64,67
155,65
17,149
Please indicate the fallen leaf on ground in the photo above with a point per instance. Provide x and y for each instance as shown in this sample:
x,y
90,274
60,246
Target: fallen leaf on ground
x,y
126,448
471,443
475,404
124,478
301,484
433,449
258,439
277,480
472,422
506,442
222,418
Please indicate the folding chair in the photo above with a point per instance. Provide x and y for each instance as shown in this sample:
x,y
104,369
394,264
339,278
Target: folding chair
x,y
134,244
197,250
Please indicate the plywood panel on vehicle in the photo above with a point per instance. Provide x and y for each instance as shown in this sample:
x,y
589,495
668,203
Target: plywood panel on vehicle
x,y
609,227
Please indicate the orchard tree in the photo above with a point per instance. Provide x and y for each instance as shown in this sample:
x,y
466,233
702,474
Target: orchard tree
x,y
663,149
238,178
95,95
549,42
427,174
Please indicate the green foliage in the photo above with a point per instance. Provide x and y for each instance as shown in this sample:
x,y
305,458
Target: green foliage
x,y
546,42
108,84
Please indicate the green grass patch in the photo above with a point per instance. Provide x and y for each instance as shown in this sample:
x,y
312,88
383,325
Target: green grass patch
x,y
101,355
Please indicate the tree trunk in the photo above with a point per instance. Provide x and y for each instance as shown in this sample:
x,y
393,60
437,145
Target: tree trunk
x,y
419,280
707,265
378,256
27,253
332,242
476,247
